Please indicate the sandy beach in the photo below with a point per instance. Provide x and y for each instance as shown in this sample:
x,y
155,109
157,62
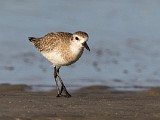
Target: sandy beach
x,y
90,103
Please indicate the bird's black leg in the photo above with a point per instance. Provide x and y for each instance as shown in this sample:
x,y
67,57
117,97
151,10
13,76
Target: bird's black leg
x,y
63,86
55,77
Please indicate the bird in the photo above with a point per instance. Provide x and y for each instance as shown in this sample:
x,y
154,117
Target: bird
x,y
61,49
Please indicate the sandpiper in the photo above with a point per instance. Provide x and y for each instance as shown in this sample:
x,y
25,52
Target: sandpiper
x,y
61,49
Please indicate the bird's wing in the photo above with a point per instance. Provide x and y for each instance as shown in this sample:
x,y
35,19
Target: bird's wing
x,y
49,41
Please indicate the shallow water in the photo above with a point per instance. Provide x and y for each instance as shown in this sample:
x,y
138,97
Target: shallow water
x,y
124,41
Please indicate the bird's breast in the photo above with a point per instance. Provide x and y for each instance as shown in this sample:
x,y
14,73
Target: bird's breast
x,y
72,56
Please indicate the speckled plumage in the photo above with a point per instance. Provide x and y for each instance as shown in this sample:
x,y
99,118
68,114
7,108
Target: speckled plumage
x,y
51,41
59,43
61,49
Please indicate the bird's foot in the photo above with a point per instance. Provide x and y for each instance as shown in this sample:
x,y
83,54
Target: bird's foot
x,y
67,95
63,88
58,95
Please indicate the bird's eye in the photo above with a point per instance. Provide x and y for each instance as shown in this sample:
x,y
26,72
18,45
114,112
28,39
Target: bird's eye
x,y
76,38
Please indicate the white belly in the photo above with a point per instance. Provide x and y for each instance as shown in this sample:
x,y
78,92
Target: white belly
x,y
64,59
54,57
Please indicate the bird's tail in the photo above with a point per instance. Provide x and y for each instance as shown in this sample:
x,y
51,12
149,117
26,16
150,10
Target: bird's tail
x,y
31,39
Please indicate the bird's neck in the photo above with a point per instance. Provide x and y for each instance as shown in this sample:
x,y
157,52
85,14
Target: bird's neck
x,y
76,48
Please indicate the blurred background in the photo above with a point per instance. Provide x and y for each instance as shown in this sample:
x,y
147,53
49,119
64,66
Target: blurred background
x,y
124,41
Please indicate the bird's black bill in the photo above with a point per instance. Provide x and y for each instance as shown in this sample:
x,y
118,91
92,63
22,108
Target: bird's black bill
x,y
86,46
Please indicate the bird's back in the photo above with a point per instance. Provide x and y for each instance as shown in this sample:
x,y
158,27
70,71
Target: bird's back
x,y
50,41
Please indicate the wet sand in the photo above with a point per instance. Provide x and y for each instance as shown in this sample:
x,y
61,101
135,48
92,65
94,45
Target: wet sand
x,y
91,103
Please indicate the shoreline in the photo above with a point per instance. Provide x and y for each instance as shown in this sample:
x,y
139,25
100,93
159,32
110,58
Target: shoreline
x,y
91,103
48,88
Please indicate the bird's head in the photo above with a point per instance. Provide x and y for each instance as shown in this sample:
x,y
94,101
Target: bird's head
x,y
81,39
